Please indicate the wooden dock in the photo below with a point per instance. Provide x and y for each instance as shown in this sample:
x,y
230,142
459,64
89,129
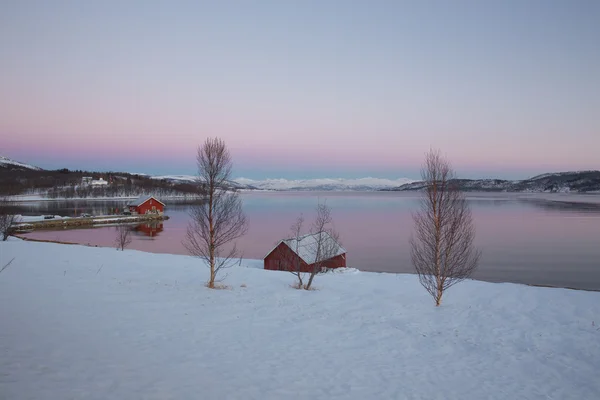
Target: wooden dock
x,y
86,222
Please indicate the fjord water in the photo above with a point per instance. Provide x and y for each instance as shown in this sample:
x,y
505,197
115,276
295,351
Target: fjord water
x,y
539,239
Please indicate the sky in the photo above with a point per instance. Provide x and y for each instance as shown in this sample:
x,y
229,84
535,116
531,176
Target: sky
x,y
302,89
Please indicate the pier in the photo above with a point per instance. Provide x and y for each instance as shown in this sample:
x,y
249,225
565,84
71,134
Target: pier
x,y
85,222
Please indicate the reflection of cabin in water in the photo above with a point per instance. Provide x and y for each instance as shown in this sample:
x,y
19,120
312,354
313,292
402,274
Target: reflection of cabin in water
x,y
151,229
146,205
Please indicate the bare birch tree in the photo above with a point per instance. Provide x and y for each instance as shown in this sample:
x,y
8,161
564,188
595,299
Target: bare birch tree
x,y
441,246
219,219
288,256
306,255
7,218
326,244
123,238
293,262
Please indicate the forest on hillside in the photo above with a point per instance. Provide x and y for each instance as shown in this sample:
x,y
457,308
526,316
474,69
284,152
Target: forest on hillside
x,y
64,183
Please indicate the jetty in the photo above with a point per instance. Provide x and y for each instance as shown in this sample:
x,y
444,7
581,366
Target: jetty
x,y
57,222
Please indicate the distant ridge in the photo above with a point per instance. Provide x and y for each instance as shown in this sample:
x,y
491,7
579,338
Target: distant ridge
x,y
324,184
555,182
320,184
7,163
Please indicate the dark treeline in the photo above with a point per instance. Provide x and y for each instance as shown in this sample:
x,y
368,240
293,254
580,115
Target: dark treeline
x,y
68,184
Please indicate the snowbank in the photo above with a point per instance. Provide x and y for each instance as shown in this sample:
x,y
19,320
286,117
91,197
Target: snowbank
x,y
96,323
36,218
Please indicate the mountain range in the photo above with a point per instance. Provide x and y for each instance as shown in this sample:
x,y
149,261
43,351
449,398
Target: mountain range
x,y
320,184
559,182
575,181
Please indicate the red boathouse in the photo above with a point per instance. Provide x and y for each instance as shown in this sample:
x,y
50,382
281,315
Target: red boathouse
x,y
302,253
146,205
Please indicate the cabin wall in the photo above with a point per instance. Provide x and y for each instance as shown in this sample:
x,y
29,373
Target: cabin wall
x,y
148,205
282,258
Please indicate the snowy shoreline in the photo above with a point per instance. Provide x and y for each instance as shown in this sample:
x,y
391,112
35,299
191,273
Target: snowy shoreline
x,y
584,198
96,323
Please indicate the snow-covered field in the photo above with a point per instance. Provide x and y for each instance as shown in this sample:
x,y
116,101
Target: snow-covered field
x,y
79,322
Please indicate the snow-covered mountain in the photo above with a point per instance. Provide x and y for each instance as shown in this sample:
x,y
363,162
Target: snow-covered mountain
x,y
322,184
333,184
561,182
7,163
175,178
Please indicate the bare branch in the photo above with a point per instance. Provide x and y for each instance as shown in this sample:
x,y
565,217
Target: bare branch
x,y
326,245
6,265
288,256
123,238
441,245
219,220
7,219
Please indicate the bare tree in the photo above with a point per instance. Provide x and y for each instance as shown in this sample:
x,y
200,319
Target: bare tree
x,y
441,246
310,253
219,220
288,256
7,218
123,238
326,242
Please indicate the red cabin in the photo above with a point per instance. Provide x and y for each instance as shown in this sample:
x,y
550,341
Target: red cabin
x,y
146,205
300,254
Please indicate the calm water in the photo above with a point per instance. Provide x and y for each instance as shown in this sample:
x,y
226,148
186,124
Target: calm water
x,y
535,239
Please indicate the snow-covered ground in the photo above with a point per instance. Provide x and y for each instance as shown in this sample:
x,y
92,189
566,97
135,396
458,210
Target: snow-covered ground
x,y
79,322
34,218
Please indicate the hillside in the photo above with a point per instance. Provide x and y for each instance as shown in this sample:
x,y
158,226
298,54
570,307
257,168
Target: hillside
x,y
560,182
17,178
11,165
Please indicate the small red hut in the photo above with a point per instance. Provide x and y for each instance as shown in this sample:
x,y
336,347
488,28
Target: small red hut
x,y
302,253
146,205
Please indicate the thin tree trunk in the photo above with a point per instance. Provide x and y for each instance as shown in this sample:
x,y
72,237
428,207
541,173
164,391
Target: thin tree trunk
x,y
307,287
211,282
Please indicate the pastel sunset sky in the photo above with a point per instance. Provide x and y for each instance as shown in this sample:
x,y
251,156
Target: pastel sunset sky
x,y
302,89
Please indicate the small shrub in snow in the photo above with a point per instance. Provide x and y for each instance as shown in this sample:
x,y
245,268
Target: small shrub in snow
x,y
123,238
7,219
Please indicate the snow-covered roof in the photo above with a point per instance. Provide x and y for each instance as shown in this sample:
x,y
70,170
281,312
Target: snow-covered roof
x,y
142,199
308,245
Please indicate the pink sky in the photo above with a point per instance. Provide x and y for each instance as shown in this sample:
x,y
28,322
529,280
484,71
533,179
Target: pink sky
x,y
297,93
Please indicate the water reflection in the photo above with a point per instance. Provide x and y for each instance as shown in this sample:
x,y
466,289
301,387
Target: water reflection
x,y
537,239
563,206
149,230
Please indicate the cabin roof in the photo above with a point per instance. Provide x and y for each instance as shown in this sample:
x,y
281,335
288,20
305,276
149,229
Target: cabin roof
x,y
307,247
142,199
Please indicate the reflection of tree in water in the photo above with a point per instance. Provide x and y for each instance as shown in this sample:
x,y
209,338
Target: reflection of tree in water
x,y
563,206
148,230
72,208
